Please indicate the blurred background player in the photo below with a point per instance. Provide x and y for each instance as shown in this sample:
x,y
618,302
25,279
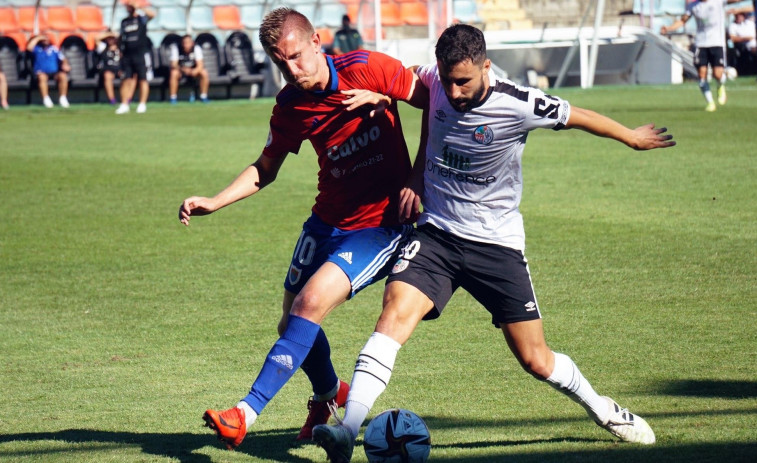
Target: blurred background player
x,y
354,231
709,42
49,63
347,39
742,33
187,61
109,63
3,90
135,46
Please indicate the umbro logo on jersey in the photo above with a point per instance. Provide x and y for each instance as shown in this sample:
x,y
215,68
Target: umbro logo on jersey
x,y
283,360
315,123
440,115
531,306
336,172
346,256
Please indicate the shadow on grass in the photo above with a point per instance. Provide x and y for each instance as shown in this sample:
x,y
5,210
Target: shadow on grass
x,y
709,388
275,445
269,445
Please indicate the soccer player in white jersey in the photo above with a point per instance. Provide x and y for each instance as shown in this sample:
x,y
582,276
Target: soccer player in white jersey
x,y
471,234
710,44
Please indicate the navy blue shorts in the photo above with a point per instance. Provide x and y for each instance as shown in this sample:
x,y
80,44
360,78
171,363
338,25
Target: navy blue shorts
x,y
365,255
709,55
437,263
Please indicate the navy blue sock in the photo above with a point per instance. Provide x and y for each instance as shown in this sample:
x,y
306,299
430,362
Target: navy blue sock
x,y
284,358
318,366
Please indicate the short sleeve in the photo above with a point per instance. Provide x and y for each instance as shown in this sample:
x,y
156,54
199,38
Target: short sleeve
x,y
198,52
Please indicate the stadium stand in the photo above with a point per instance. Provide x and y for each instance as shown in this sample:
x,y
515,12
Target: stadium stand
x,y
14,66
201,18
227,18
26,16
390,15
250,15
82,75
466,11
330,15
18,37
8,20
215,63
61,19
90,18
414,13
172,18
242,68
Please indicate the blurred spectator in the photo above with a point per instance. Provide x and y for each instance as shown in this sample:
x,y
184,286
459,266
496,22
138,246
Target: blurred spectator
x,y
742,33
109,63
135,45
3,90
49,63
187,61
347,39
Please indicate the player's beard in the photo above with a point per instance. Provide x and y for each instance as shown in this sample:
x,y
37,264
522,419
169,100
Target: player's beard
x,y
466,104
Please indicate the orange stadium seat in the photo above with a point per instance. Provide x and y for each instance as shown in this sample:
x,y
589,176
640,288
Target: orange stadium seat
x,y
8,20
61,18
90,18
390,14
326,35
26,19
414,14
227,17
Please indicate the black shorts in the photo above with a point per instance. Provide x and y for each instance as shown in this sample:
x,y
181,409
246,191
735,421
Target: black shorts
x,y
437,263
709,55
132,63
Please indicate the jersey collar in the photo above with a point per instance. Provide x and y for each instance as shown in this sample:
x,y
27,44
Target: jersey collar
x,y
333,83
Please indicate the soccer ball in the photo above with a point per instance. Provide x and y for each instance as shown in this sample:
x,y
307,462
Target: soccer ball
x,y
731,73
397,435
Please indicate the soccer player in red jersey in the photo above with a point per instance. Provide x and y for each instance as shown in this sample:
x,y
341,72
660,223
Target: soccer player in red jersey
x,y
351,237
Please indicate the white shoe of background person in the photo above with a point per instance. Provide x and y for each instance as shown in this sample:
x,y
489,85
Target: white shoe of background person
x,y
122,109
141,108
48,102
64,102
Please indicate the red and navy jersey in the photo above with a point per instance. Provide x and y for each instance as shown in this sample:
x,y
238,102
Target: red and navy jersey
x,y
363,160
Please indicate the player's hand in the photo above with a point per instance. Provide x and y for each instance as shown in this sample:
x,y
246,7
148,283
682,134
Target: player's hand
x,y
195,205
647,137
410,202
358,97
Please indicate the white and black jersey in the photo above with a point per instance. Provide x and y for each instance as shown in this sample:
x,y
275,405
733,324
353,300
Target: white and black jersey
x,y
710,18
186,59
473,177
134,35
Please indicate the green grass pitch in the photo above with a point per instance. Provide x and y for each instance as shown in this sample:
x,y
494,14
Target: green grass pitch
x,y
119,326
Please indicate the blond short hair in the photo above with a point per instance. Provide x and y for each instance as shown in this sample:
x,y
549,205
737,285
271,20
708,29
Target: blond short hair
x,y
280,20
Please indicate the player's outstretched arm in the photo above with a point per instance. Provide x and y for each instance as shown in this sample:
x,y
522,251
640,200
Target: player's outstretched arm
x,y
646,137
247,183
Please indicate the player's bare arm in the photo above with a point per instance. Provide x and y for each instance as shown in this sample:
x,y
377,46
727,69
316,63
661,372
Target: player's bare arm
x,y
254,178
417,98
677,24
645,137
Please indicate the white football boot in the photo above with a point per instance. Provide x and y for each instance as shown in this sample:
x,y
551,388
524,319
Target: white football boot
x,y
627,426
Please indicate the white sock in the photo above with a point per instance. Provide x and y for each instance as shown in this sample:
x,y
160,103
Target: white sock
x,y
205,95
372,372
567,379
249,414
